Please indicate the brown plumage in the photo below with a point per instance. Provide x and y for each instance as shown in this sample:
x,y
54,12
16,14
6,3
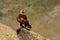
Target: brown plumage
x,y
22,19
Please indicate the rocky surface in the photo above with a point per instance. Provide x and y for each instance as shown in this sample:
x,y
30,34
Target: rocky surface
x,y
6,33
29,35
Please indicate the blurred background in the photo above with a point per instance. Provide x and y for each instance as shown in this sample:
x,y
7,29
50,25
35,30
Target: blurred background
x,y
43,15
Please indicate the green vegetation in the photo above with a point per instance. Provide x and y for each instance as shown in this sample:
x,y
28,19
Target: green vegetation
x,y
1,14
39,6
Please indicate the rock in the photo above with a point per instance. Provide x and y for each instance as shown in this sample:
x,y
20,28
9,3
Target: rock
x,y
6,33
30,35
